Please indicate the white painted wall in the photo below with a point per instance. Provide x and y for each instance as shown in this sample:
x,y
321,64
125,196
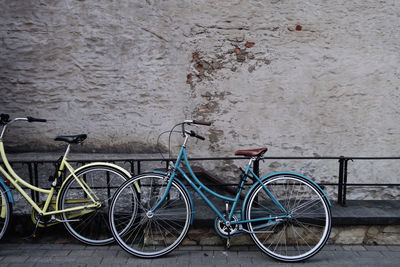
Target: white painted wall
x,y
124,71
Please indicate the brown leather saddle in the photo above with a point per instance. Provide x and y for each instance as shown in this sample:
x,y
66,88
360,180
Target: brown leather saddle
x,y
258,152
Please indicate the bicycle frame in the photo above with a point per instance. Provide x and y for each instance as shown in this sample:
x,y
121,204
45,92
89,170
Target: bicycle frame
x,y
15,180
200,186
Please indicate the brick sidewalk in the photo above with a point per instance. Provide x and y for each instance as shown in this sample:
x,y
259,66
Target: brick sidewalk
x,y
12,254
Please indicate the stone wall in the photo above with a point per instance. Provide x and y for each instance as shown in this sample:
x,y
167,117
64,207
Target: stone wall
x,y
305,78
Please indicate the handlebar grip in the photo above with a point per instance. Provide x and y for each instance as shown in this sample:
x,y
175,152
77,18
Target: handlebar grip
x,y
194,134
4,119
200,137
202,122
31,119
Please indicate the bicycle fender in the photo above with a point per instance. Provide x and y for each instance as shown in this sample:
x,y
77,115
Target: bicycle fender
x,y
7,189
187,192
94,164
283,173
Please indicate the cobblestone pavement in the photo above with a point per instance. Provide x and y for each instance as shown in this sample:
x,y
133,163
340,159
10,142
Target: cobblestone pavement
x,y
12,254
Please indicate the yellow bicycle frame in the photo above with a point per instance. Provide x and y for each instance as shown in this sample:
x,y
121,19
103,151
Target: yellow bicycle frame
x,y
16,180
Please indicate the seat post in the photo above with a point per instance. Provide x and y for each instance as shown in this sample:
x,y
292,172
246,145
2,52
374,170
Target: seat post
x,y
67,151
252,159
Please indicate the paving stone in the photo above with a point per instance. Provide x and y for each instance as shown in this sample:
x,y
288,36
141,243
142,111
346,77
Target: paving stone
x,y
80,253
376,248
21,264
188,248
113,260
333,248
370,254
9,246
354,248
239,248
138,262
39,259
214,248
58,252
391,254
394,248
107,253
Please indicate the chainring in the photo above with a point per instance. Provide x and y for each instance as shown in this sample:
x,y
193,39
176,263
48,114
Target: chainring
x,y
226,231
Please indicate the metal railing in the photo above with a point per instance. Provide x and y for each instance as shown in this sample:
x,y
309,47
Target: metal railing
x,y
135,167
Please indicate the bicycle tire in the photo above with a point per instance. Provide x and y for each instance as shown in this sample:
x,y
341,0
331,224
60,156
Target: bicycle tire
x,y
92,227
156,234
5,212
289,239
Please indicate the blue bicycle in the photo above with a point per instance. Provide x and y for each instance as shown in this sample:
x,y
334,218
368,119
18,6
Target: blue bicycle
x,y
287,215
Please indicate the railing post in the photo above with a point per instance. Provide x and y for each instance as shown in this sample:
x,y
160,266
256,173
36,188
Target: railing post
x,y
340,182
132,168
345,182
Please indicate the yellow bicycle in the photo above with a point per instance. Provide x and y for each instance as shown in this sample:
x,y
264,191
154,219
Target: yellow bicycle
x,y
80,201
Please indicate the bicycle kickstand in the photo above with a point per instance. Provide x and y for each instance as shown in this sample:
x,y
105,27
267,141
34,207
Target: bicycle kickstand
x,y
36,227
228,228
33,235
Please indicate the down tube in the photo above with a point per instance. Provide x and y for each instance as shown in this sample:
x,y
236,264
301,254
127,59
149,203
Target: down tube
x,y
204,197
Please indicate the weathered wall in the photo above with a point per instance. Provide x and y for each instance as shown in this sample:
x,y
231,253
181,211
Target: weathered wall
x,y
123,71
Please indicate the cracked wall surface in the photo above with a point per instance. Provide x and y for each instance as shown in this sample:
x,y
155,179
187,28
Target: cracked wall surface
x,y
305,78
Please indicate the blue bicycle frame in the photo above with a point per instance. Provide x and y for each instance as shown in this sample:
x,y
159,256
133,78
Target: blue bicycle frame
x,y
200,186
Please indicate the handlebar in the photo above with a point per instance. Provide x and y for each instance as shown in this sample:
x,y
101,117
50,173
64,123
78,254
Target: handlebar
x,y
192,133
5,119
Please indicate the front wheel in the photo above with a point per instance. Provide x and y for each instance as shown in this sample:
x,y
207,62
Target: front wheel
x,y
90,225
153,233
294,235
5,212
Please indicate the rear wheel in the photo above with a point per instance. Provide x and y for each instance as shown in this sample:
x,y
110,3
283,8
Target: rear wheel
x,y
90,225
152,234
295,236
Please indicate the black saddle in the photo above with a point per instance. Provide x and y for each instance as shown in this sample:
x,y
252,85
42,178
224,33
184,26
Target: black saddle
x,y
72,139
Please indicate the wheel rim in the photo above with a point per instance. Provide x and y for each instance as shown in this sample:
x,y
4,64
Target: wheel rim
x,y
4,212
92,227
152,234
299,236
